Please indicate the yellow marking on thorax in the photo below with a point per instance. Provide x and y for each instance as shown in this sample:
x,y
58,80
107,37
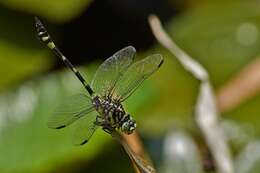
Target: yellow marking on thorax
x,y
51,45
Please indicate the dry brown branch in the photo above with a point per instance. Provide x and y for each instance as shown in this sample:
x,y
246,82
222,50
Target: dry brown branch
x,y
135,143
206,113
241,87
141,164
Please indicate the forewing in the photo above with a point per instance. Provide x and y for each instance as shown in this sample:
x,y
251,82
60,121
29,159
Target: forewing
x,y
110,71
135,75
69,110
84,129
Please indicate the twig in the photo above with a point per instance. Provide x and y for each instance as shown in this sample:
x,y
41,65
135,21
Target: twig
x,y
242,86
140,164
135,143
206,114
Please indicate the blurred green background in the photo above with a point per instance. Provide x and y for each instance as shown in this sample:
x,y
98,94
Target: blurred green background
x,y
222,35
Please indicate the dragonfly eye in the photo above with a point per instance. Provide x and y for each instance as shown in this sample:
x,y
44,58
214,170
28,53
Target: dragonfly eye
x,y
129,126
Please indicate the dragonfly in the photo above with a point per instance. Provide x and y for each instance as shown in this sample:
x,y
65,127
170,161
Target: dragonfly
x,y
114,81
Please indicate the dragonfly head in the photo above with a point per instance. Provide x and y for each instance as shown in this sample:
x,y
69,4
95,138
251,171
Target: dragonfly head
x,y
129,125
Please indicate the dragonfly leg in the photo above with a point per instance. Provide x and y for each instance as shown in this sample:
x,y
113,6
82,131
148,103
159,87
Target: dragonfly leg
x,y
105,125
107,129
99,120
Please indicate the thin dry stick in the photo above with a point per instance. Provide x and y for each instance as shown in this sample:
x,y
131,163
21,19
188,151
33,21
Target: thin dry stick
x,y
135,143
206,112
141,165
241,87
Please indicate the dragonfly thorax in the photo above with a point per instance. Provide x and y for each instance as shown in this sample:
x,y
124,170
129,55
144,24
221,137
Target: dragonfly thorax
x,y
113,115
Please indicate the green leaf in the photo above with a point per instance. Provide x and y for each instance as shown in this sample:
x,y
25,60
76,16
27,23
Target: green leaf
x,y
59,11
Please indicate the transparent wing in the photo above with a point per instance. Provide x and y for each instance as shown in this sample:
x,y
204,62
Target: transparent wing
x,y
110,71
135,75
70,110
85,128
